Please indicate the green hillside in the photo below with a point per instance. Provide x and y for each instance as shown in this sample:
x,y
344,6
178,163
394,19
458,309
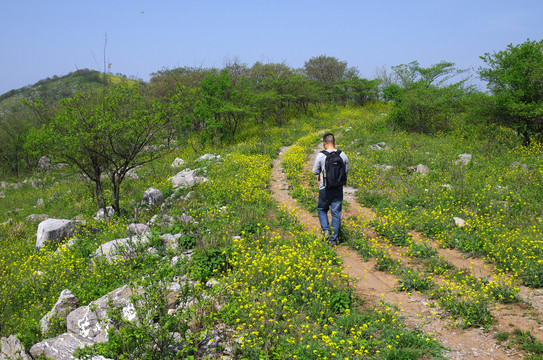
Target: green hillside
x,y
53,89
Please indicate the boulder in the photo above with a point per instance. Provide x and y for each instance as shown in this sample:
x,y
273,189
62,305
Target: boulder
x,y
53,230
137,229
66,303
61,347
101,214
421,169
91,321
125,248
44,163
178,162
186,178
152,197
11,349
37,218
463,159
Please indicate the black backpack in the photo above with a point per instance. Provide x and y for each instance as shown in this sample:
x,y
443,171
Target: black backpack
x,y
335,175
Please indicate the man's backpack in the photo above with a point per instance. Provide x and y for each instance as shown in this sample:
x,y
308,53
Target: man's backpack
x,y
335,175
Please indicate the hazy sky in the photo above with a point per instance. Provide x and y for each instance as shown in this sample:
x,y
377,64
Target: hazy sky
x,y
41,38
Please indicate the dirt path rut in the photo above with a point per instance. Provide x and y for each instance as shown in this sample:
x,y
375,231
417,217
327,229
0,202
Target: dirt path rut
x,y
374,286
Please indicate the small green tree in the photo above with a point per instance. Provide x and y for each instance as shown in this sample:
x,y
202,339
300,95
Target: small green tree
x,y
225,106
112,131
425,98
515,78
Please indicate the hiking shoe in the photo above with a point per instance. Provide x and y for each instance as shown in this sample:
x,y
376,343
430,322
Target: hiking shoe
x,y
326,234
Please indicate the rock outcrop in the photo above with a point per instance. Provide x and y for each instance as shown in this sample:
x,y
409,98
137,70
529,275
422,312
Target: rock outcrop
x,y
137,229
91,321
53,230
66,303
125,248
61,347
101,214
152,197
178,162
12,349
186,178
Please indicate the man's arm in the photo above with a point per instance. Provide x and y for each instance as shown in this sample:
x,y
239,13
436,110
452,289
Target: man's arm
x,y
317,165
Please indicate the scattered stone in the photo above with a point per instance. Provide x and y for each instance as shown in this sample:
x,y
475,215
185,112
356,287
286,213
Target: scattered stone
x,y
39,202
8,222
53,230
36,183
519,165
152,197
447,186
463,159
178,162
2,194
137,229
54,196
208,157
420,168
384,167
131,175
186,178
459,222
164,220
152,251
44,163
15,186
125,248
92,322
3,184
37,218
212,283
186,219
170,241
66,303
101,214
11,349
502,188
377,147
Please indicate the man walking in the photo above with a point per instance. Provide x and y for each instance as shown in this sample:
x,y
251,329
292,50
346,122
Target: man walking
x,y
333,165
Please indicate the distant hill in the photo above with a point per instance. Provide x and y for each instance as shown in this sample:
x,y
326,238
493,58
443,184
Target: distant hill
x,y
51,90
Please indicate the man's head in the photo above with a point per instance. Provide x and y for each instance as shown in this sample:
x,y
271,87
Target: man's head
x,y
329,140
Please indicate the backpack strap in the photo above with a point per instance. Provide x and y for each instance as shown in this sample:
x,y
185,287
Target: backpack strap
x,y
326,153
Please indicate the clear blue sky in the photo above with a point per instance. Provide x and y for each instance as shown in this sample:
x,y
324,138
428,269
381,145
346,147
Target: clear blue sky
x,y
41,38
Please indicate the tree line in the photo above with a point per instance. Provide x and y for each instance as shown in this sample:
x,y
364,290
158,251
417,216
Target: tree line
x,y
111,129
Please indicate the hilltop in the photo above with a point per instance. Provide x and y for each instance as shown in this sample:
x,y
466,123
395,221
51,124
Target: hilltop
x,y
55,88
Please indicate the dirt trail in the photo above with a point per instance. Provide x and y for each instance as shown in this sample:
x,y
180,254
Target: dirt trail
x,y
373,286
